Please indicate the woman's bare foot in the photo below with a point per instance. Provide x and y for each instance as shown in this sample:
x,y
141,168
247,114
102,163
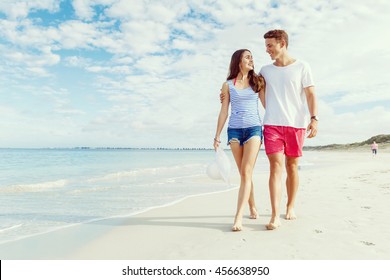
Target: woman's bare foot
x,y
274,223
237,225
253,214
236,228
290,214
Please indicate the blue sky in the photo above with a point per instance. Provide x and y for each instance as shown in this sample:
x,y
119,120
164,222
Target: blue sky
x,y
124,73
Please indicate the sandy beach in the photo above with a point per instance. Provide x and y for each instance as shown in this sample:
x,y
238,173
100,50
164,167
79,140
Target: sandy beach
x,y
342,210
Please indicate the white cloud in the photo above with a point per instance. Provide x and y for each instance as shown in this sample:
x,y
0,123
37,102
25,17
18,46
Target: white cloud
x,y
122,10
140,40
83,9
25,34
77,34
46,58
113,69
165,11
20,9
350,127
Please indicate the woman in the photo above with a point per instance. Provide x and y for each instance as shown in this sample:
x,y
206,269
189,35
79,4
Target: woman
x,y
242,88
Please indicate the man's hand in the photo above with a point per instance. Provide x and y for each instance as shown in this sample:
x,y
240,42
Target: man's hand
x,y
312,128
222,96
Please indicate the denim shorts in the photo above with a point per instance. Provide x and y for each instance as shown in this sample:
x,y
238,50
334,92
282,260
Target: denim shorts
x,y
242,135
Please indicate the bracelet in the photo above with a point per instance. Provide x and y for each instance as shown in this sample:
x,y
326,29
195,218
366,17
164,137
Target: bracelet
x,y
217,140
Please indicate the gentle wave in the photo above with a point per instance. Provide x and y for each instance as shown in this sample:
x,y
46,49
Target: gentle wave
x,y
140,173
10,228
161,174
35,187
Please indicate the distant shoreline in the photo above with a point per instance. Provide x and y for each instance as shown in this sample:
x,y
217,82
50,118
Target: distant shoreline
x,y
332,147
348,147
383,140
108,148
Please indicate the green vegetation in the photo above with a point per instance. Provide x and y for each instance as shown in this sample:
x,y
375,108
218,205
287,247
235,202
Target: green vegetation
x,y
381,139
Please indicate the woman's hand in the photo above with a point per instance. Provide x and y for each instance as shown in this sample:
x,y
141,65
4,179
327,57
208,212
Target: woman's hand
x,y
216,143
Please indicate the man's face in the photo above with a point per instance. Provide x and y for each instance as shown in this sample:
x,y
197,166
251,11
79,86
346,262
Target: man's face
x,y
273,48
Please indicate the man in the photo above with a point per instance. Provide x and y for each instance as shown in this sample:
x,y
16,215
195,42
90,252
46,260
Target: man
x,y
289,89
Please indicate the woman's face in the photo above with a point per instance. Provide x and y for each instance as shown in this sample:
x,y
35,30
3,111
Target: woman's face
x,y
246,61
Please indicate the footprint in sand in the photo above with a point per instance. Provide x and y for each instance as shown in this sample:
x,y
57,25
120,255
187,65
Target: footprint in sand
x,y
352,223
367,243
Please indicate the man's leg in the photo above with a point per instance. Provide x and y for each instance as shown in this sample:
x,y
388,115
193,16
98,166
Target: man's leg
x,y
292,183
275,188
295,138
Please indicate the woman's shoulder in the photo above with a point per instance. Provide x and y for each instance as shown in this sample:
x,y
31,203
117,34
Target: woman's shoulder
x,y
227,83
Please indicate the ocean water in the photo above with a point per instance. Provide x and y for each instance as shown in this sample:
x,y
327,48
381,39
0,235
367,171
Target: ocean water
x,y
45,189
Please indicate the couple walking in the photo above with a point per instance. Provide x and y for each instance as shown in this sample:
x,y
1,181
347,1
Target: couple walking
x,y
285,89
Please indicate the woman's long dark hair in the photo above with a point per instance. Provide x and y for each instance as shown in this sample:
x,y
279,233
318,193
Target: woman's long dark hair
x,y
255,81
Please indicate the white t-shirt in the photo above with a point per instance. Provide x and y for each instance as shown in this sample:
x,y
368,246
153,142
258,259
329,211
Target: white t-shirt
x,y
284,95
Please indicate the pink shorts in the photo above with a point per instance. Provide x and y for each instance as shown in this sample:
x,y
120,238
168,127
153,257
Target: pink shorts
x,y
284,139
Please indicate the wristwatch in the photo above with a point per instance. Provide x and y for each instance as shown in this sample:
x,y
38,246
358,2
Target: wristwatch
x,y
314,118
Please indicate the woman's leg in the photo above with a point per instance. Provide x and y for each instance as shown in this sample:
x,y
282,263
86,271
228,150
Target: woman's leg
x,y
252,204
249,154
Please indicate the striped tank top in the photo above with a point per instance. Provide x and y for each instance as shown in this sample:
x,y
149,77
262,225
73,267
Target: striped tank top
x,y
244,107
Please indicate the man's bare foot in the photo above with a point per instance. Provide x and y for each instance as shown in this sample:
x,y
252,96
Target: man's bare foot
x,y
253,214
237,225
274,223
290,214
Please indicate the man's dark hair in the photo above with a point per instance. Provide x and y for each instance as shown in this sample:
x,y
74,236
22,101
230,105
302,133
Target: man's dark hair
x,y
278,34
